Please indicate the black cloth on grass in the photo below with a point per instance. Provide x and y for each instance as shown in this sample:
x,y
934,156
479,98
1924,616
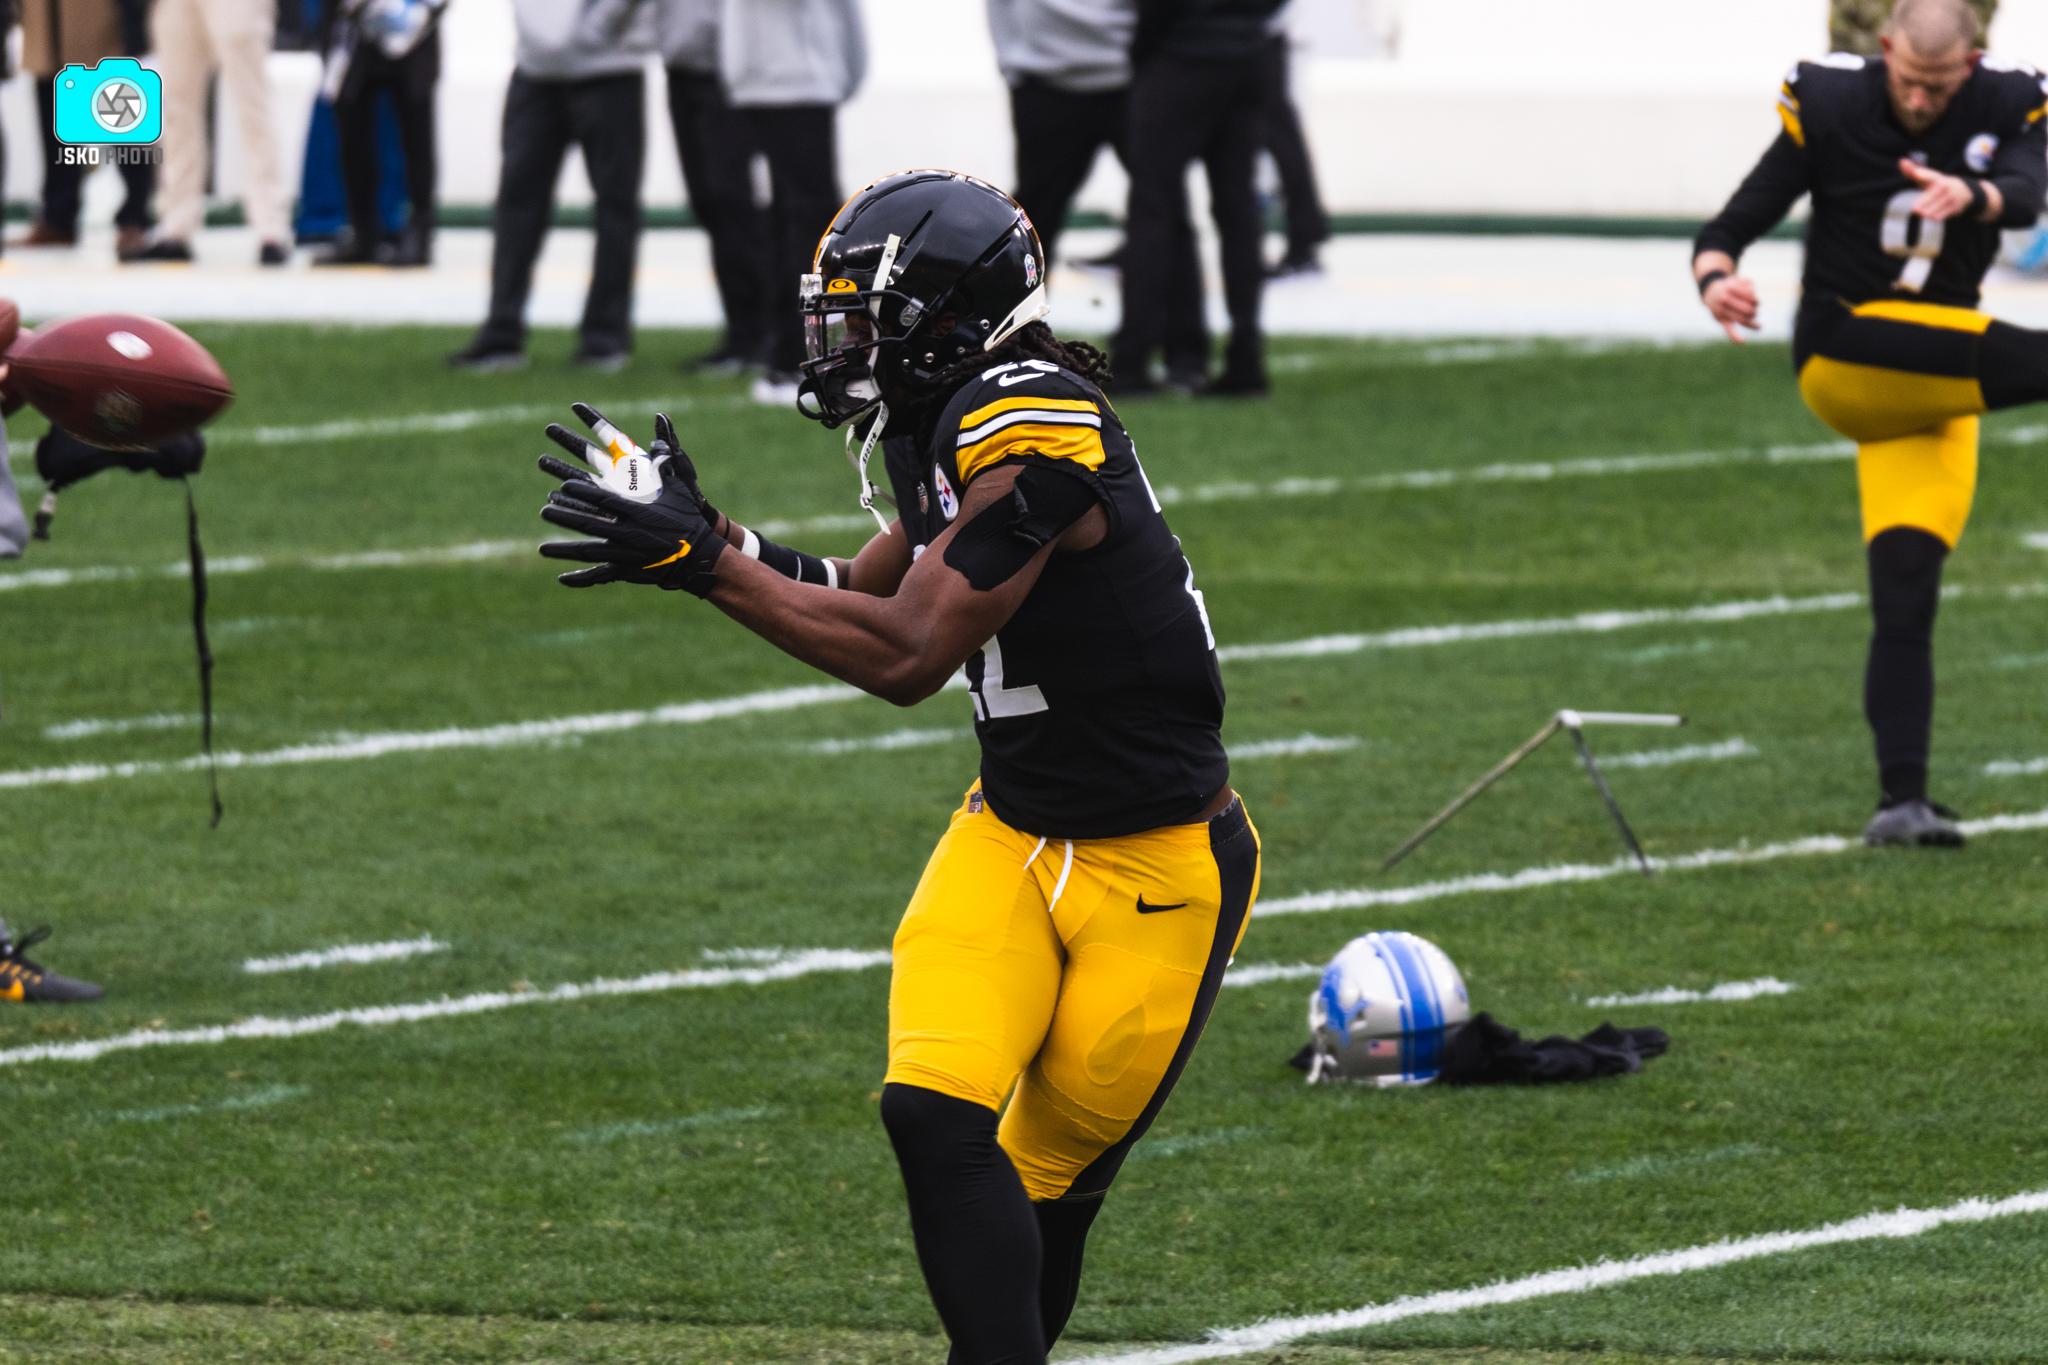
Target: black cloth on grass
x,y
1488,1052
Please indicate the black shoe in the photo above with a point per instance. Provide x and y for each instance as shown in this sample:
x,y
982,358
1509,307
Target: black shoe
x,y
1914,824
21,979
481,358
724,362
604,362
346,249
414,247
1295,265
1191,380
165,249
273,253
1235,383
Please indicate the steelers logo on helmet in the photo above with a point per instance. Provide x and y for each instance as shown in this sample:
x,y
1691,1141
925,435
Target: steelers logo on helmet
x,y
1387,1006
927,268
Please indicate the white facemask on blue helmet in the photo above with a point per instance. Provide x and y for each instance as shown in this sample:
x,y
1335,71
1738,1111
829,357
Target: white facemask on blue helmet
x,y
1386,1008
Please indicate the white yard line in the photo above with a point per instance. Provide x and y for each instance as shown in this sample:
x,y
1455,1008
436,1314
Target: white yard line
x,y
1727,990
786,967
347,952
1276,1332
895,739
2010,767
1685,753
1554,874
1300,744
2036,541
1258,973
659,1127
453,737
82,729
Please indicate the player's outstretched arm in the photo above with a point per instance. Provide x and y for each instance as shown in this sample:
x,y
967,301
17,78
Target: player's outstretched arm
x,y
967,583
1953,196
1730,297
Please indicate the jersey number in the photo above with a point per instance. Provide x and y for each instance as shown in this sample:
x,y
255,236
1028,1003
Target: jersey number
x,y
1906,233
992,700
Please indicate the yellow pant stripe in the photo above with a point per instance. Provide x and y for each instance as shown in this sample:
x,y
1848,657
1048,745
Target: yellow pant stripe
x,y
1925,314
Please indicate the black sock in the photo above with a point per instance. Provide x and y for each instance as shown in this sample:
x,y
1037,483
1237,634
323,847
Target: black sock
x,y
977,1237
1063,1231
1898,682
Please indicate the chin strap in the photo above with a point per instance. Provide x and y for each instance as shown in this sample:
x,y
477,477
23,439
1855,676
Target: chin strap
x,y
868,491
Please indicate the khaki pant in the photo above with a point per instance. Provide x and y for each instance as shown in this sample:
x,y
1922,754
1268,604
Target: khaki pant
x,y
193,39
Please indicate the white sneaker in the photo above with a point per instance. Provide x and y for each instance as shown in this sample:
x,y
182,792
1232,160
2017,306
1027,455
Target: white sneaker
x,y
1914,824
775,389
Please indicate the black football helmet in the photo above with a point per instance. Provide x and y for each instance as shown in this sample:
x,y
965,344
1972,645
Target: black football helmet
x,y
917,272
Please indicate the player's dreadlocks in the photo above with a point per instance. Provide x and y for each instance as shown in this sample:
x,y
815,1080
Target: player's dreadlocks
x,y
1032,341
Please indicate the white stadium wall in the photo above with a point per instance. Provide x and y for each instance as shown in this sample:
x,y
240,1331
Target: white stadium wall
x,y
1600,107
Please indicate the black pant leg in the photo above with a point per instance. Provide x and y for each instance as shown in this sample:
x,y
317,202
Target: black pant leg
x,y
536,138
139,177
355,132
1184,328
1058,133
1898,681
716,147
60,182
1229,155
800,142
1308,226
609,122
1168,124
413,94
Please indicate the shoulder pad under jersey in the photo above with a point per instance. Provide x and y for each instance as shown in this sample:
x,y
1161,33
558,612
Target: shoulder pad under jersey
x,y
1028,406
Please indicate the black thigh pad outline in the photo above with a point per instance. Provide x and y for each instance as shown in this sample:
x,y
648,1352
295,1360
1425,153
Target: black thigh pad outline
x,y
1001,538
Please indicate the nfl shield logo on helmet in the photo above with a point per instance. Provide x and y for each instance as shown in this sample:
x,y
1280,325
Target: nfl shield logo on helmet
x,y
949,501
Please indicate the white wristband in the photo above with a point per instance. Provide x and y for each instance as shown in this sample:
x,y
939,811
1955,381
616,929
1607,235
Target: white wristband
x,y
831,574
750,545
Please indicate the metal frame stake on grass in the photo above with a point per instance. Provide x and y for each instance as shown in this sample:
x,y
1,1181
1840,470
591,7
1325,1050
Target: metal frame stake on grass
x,y
1573,722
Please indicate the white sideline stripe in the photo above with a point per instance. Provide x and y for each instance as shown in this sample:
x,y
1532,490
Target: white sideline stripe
x,y
1727,990
1258,973
895,739
1819,845
1274,1332
790,965
420,741
347,952
1685,753
1300,744
2036,541
82,729
2010,767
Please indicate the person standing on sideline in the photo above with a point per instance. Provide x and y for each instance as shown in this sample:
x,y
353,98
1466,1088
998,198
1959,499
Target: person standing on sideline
x,y
717,151
1196,93
375,46
195,40
1308,225
787,66
55,34
1068,67
577,79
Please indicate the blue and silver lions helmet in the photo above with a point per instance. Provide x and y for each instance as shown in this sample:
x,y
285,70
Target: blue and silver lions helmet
x,y
1387,1006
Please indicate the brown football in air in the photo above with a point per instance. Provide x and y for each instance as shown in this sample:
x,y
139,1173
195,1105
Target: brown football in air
x,y
118,380
10,324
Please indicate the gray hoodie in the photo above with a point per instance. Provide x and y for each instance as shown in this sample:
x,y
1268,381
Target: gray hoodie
x,y
687,33
1078,45
562,40
781,52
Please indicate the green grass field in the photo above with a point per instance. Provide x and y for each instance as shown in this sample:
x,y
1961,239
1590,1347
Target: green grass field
x,y
699,1174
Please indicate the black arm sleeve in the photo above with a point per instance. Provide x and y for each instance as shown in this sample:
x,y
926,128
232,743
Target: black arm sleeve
x,y
1765,196
2020,170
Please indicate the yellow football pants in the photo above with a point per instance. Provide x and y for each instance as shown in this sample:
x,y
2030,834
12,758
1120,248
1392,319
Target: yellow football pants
x,y
1913,417
1071,978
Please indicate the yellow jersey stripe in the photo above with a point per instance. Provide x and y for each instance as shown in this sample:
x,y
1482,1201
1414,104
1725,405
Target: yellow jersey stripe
x,y
1002,405
1788,110
1081,444
1926,314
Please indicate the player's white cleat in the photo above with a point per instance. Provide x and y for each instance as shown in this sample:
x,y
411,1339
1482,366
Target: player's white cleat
x,y
1913,824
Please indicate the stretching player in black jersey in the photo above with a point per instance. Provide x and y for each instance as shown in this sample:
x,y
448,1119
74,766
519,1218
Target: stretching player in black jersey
x,y
1066,942
1915,162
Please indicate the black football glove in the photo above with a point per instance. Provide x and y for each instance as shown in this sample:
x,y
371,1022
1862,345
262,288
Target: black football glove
x,y
669,542
665,454
62,459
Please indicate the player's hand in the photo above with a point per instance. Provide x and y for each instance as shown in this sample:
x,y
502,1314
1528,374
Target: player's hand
x,y
1733,302
1941,197
667,542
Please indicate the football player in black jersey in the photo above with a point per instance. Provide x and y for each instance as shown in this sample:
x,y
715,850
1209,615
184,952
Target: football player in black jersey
x,y
1066,942
1915,162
